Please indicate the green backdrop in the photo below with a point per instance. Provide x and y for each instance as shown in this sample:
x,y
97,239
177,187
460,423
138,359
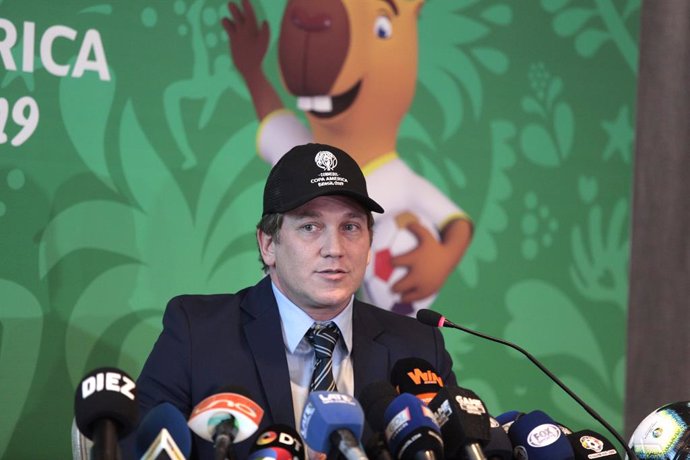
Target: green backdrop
x,y
523,113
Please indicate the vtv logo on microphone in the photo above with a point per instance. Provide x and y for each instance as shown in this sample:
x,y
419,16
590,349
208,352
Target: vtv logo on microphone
x,y
420,377
108,381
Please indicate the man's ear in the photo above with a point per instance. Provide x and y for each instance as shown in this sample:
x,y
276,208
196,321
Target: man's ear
x,y
266,247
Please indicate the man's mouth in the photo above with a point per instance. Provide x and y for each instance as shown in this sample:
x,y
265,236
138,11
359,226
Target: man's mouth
x,y
328,106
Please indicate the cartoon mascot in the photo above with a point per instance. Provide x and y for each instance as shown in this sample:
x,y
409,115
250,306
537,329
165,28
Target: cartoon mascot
x,y
352,65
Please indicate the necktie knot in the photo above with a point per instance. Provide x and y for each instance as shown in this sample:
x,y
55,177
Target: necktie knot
x,y
323,338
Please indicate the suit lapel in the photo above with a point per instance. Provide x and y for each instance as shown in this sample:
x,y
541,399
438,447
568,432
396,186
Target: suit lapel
x,y
265,338
370,359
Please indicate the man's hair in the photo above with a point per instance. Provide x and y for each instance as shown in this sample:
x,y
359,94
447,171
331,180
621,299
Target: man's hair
x,y
270,225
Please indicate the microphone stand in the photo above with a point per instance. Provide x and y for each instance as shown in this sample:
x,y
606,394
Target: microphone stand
x,y
444,322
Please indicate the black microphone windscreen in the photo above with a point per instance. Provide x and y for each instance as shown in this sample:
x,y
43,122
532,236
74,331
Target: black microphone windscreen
x,y
276,441
106,393
430,317
374,400
499,446
588,444
416,376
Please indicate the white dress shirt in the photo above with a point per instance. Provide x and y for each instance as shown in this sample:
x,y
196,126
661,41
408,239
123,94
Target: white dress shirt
x,y
300,354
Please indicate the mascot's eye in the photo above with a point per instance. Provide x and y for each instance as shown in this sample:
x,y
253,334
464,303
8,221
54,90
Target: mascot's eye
x,y
383,27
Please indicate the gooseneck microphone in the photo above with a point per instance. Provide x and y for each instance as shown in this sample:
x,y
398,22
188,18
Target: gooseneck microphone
x,y
106,410
435,319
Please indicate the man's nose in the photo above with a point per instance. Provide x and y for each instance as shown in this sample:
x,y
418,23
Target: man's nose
x,y
332,244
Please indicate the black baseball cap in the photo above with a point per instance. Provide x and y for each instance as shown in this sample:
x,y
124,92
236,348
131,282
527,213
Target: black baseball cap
x,y
312,170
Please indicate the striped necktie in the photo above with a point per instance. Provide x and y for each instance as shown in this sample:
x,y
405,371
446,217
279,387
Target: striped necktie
x,y
323,338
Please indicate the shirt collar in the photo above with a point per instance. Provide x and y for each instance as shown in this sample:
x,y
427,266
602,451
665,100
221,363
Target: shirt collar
x,y
295,322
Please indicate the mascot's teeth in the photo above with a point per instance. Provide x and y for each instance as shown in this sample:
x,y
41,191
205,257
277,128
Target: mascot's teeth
x,y
315,103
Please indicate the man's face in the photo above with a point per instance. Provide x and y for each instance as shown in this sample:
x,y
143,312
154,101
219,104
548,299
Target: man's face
x,y
321,256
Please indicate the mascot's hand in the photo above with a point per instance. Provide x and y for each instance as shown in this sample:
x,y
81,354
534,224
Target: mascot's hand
x,y
248,40
428,266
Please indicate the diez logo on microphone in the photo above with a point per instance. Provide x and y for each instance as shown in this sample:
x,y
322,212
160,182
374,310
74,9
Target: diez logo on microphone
x,y
108,381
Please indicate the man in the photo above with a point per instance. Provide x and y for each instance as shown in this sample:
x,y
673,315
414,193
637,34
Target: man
x,y
314,238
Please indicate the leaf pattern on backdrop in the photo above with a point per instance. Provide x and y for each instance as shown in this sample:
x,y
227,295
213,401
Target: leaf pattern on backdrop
x,y
601,255
100,224
536,305
456,52
548,141
21,326
594,26
167,248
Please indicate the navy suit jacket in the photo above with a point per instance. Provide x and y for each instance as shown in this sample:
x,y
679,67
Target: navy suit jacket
x,y
210,341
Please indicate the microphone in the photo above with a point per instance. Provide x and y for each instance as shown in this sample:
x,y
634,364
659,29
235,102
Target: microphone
x,y
499,446
332,420
375,398
278,442
537,437
588,444
163,434
105,410
507,418
416,376
225,418
435,319
464,421
411,430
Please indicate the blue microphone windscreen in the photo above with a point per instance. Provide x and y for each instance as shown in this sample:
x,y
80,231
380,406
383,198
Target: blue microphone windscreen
x,y
508,417
326,412
167,416
405,415
537,436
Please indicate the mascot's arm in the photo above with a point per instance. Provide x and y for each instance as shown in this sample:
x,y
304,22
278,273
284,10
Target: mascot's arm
x,y
248,46
430,263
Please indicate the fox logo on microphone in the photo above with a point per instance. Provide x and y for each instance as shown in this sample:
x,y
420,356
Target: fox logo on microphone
x,y
108,381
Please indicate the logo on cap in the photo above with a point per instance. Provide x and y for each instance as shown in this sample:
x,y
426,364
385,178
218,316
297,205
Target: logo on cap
x,y
326,160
